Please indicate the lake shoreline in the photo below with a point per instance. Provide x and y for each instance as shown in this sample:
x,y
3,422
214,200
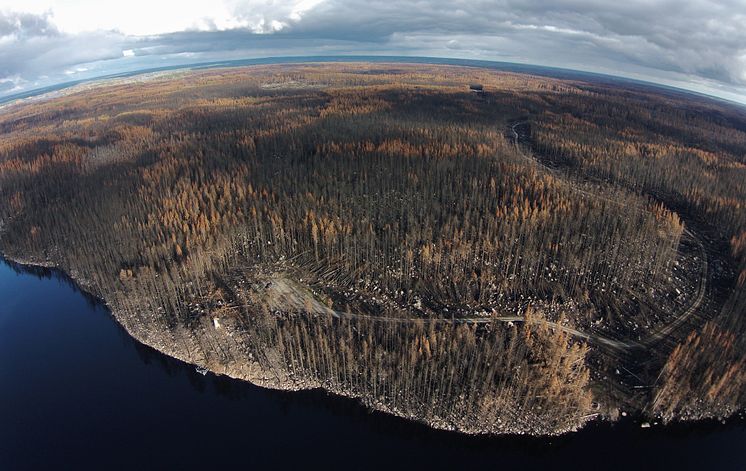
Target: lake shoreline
x,y
254,374
263,381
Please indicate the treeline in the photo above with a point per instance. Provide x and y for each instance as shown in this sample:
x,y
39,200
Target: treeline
x,y
693,158
524,378
387,193
438,209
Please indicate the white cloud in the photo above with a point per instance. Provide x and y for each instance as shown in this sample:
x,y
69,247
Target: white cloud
x,y
149,17
133,17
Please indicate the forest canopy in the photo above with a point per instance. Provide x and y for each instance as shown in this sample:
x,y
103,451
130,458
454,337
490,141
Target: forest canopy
x,y
484,258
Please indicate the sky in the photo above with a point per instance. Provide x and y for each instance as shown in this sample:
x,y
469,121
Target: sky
x,y
694,44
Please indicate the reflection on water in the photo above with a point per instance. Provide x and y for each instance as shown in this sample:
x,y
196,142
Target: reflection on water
x,y
77,392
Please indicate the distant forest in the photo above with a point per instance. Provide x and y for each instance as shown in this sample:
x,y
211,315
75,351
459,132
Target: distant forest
x,y
521,258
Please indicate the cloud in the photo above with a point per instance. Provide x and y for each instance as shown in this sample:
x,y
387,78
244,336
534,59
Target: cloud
x,y
697,37
24,25
697,42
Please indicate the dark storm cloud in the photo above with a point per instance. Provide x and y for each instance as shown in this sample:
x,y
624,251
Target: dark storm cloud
x,y
231,40
697,41
694,37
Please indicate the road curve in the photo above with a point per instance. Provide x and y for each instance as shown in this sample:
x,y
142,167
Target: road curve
x,y
701,285
300,298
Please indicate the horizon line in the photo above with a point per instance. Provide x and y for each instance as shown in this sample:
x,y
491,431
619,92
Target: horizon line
x,y
434,60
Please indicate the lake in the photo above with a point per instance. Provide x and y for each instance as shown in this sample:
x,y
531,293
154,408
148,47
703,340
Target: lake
x,y
76,392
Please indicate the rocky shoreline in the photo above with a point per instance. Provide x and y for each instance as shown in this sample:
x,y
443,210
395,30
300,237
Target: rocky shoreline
x,y
187,346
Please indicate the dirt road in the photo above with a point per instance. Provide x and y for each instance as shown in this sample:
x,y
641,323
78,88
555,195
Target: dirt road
x,y
281,294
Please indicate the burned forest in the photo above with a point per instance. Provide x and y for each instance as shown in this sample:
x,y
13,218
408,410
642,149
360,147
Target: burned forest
x,y
521,257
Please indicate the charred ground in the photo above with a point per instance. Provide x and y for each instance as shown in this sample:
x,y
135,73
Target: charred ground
x,y
516,260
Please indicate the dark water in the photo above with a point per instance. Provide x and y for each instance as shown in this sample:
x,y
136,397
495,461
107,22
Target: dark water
x,y
77,393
